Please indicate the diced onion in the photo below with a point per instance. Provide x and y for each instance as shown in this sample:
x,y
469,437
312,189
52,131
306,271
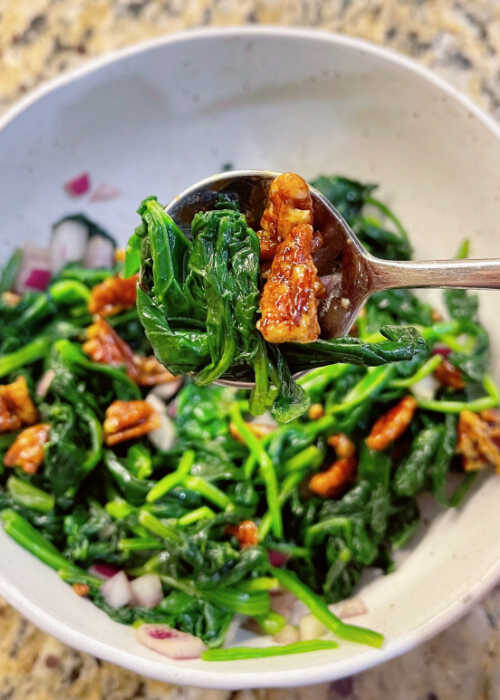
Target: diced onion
x,y
166,390
103,193
170,642
277,558
68,243
288,635
426,388
310,628
116,590
147,591
78,185
100,253
44,384
352,607
35,269
164,436
103,570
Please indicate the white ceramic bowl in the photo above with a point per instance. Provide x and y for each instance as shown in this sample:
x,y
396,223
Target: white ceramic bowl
x,y
154,119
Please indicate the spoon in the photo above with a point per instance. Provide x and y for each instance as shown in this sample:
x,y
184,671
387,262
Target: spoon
x,y
349,272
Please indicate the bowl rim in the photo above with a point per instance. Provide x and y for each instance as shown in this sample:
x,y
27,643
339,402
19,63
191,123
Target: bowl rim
x,y
155,667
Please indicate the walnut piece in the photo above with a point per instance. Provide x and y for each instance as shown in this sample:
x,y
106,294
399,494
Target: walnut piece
x,y
113,295
333,481
290,204
27,451
126,420
246,533
448,375
478,436
343,446
289,301
16,407
105,346
392,424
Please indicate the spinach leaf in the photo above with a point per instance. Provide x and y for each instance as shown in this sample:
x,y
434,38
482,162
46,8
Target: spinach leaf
x,y
411,474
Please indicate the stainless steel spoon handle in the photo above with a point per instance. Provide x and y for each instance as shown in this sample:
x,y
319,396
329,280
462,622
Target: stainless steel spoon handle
x,y
472,274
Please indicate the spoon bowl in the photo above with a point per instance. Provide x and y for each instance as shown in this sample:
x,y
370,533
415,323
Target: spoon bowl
x,y
349,273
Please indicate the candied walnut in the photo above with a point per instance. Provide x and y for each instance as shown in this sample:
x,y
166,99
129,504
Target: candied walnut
x,y
316,411
288,303
448,375
246,533
104,345
392,424
343,446
478,436
11,298
81,589
113,295
290,204
16,407
258,429
27,451
126,420
150,372
333,481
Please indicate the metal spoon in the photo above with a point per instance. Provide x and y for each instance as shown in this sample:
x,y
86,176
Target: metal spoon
x,y
351,274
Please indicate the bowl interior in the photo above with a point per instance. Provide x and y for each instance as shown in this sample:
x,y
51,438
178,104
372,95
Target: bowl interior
x,y
160,118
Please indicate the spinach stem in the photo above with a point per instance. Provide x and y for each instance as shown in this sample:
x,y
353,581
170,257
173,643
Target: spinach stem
x,y
238,653
321,612
490,401
427,368
172,480
266,468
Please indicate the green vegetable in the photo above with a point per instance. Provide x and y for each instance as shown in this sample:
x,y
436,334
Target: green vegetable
x,y
171,480
30,496
175,512
212,283
236,653
411,473
11,270
321,612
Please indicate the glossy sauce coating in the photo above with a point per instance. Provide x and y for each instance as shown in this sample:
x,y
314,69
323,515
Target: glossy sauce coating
x,y
289,301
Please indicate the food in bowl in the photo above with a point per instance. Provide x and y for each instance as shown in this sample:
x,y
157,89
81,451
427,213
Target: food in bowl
x,y
174,509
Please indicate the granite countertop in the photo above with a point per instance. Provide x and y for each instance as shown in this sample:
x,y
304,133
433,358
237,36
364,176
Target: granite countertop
x,y
460,40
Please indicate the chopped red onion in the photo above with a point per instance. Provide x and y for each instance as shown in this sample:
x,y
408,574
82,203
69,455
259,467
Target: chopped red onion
x,y
35,269
283,603
44,384
103,193
147,591
100,253
68,243
442,350
170,642
38,279
116,590
166,390
103,570
349,608
164,436
277,558
78,185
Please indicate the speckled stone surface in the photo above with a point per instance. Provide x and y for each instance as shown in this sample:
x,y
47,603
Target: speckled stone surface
x,y
460,40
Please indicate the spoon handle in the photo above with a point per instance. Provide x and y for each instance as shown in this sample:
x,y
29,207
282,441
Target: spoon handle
x,y
475,274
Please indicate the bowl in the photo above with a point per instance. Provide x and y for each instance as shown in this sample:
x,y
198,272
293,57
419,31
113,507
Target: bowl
x,y
157,117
